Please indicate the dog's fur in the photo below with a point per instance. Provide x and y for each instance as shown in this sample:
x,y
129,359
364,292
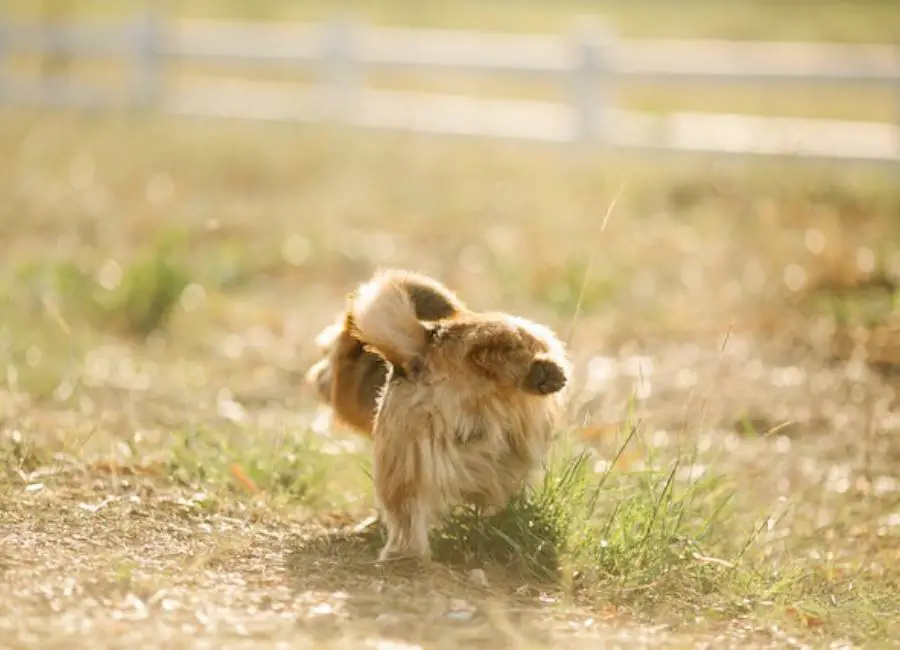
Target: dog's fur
x,y
467,412
350,378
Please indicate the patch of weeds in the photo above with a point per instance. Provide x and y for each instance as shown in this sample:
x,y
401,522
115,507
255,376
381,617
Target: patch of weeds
x,y
632,536
19,454
149,289
529,537
292,469
658,537
135,299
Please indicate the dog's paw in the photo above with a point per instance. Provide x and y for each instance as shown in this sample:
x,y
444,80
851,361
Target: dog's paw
x,y
545,377
403,557
389,553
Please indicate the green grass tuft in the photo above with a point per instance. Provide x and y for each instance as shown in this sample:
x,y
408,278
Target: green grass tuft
x,y
292,469
616,531
531,535
136,303
20,454
150,289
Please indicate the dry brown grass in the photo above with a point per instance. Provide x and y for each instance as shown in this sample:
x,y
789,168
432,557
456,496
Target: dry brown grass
x,y
178,489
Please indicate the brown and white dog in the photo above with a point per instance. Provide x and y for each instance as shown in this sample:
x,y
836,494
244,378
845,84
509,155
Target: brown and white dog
x,y
467,409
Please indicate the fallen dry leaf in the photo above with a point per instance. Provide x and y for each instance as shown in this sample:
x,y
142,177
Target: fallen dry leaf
x,y
243,479
807,620
118,469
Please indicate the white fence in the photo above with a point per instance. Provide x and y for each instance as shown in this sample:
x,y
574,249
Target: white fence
x,y
588,61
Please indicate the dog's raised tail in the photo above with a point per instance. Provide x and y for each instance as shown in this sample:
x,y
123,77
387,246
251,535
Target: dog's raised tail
x,y
384,318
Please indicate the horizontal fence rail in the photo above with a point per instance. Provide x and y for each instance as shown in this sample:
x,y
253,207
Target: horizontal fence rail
x,y
587,61
463,51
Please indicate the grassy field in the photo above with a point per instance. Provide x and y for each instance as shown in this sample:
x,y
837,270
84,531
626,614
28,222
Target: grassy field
x,y
728,475
864,21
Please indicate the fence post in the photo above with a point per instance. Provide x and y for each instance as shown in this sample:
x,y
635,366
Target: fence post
x,y
147,53
57,53
341,72
3,55
591,74
897,101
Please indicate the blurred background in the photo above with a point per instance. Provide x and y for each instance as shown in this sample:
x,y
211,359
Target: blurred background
x,y
694,194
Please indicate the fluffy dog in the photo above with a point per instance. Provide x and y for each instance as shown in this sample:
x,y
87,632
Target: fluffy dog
x,y
466,414
350,378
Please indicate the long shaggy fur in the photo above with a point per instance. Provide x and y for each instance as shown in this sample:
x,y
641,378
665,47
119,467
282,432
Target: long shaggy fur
x,y
384,316
467,412
350,378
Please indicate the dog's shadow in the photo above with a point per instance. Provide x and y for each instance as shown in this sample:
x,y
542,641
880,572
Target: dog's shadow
x,y
421,602
513,549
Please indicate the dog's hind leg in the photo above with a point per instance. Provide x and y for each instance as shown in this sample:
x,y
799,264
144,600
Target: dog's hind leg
x,y
401,487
